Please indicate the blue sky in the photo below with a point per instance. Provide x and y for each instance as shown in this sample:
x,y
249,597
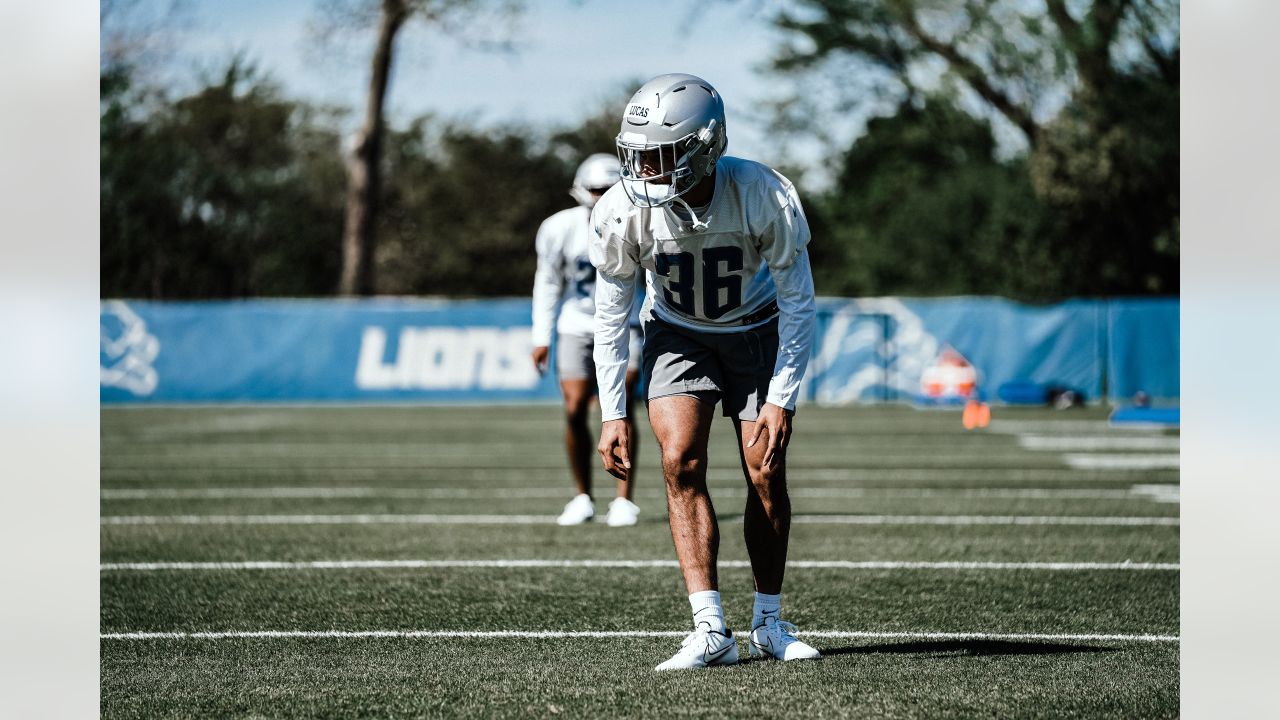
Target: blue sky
x,y
573,56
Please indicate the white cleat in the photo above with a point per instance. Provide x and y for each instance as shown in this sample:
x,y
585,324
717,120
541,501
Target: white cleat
x,y
704,648
579,510
622,512
775,639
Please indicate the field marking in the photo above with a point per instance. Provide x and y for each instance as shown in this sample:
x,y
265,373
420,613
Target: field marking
x,y
794,474
1133,425
1091,461
556,634
812,564
979,520
1161,492
358,519
1147,492
1012,427
427,519
493,458
1060,443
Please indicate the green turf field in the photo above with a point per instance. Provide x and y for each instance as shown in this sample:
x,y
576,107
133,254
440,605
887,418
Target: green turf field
x,y
404,562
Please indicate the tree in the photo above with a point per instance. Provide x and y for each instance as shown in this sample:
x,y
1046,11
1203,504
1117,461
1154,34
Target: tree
x,y
1104,161
598,133
364,170
235,190
226,192
921,207
465,203
138,35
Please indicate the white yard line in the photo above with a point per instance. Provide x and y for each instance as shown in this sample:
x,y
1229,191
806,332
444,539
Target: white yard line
x,y
1165,493
1061,443
979,520
545,473
517,464
1099,461
1135,426
329,493
813,564
1148,492
555,634
1011,427
412,519
1080,427
327,519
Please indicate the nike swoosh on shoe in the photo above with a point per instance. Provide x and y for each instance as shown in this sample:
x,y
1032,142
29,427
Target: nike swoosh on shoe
x,y
708,659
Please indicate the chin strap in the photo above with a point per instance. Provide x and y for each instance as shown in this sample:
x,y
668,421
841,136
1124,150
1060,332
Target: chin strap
x,y
698,225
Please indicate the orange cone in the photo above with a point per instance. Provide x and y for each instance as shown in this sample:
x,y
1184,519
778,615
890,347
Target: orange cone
x,y
976,415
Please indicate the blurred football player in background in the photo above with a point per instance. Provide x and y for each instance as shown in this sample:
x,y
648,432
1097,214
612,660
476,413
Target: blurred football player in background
x,y
729,318
564,285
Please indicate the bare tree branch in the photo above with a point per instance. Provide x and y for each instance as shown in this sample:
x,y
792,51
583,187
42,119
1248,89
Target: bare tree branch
x,y
456,17
1067,25
364,180
1165,61
971,73
1089,41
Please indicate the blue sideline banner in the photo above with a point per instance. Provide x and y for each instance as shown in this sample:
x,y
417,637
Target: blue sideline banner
x,y
417,350
319,350
878,348
1143,341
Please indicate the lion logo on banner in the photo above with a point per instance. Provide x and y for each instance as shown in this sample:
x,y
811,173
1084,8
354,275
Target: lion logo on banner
x,y
127,350
872,347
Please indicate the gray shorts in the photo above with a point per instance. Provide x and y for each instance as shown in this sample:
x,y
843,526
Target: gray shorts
x,y
734,368
575,362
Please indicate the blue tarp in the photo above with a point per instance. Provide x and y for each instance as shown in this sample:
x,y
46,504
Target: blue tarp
x,y
416,350
1142,348
320,350
878,348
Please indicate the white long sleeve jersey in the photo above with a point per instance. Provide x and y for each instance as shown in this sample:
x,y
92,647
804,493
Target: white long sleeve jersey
x,y
724,278
565,277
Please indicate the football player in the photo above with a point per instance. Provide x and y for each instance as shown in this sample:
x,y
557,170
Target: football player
x,y
728,319
564,284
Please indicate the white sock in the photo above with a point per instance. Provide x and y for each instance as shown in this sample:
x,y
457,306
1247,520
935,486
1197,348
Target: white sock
x,y
707,611
766,606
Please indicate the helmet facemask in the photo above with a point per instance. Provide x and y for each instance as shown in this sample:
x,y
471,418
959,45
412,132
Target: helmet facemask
x,y
657,173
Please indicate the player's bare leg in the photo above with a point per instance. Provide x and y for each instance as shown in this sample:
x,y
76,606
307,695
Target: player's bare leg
x,y
578,446
577,436
766,527
766,521
682,426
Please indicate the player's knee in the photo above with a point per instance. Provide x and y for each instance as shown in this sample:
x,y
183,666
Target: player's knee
x,y
577,409
575,415
682,467
768,480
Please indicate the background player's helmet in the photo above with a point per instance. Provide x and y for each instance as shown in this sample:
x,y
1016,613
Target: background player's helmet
x,y
598,172
672,135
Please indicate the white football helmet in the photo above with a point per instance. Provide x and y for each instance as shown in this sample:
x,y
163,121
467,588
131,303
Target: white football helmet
x,y
672,134
598,172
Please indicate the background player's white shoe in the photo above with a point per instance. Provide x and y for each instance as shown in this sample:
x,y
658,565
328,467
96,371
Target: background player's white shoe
x,y
703,648
775,639
622,512
579,510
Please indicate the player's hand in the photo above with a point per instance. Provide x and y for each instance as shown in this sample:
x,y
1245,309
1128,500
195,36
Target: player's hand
x,y
540,358
775,424
615,447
